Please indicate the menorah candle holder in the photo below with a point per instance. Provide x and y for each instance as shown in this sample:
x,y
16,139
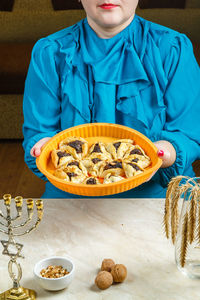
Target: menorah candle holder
x,y
12,224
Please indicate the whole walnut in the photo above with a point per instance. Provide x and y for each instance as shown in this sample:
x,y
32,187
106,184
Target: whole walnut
x,y
104,280
119,272
107,264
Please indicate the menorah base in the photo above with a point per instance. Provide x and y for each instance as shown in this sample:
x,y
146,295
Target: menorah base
x,y
18,294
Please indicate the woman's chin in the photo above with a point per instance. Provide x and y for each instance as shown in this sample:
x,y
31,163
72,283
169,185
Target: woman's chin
x,y
114,20
111,22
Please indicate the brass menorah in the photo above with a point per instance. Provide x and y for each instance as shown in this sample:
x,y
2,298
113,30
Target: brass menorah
x,y
10,225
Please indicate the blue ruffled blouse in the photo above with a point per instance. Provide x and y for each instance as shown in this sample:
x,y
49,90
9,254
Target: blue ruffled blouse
x,y
146,77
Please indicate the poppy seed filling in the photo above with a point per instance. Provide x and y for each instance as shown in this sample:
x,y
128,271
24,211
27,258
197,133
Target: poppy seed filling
x,y
116,145
77,145
134,166
97,148
74,163
113,165
96,160
71,175
62,154
91,181
136,151
135,160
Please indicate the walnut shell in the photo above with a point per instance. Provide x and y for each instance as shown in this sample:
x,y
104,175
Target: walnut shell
x,y
107,264
103,280
119,272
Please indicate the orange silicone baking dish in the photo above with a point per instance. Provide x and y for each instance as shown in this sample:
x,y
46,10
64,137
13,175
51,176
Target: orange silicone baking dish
x,y
94,132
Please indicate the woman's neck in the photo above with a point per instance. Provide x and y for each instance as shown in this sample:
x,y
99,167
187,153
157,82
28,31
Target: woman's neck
x,y
108,32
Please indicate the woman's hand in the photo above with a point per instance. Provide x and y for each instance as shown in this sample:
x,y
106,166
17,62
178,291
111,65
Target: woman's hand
x,y
36,150
166,152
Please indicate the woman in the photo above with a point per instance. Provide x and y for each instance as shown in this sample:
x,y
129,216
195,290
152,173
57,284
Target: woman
x,y
116,67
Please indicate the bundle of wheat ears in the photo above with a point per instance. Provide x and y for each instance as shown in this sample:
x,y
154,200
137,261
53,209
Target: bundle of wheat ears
x,y
191,218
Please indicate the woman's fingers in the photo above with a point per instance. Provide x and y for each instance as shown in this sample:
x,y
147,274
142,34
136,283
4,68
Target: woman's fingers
x,y
36,150
165,156
161,154
166,152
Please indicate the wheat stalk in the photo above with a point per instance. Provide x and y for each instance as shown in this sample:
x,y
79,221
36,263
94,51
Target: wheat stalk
x,y
168,200
173,194
171,204
198,223
192,215
184,240
174,216
167,210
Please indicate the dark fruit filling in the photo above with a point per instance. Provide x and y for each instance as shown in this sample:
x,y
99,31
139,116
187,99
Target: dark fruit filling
x,y
91,181
77,145
71,175
116,145
134,166
113,165
74,163
136,151
97,148
96,160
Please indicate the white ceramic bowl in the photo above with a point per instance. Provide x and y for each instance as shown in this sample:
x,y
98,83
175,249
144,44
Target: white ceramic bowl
x,y
54,284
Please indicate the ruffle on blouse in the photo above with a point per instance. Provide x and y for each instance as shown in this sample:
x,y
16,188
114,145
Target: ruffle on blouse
x,y
121,66
72,85
130,102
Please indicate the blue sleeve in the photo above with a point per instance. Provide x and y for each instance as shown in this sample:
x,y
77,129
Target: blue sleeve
x,y
182,100
41,103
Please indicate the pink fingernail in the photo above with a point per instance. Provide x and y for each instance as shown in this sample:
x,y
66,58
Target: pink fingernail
x,y
161,153
37,152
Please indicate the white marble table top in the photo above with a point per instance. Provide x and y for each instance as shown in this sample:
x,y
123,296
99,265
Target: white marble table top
x,y
129,231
